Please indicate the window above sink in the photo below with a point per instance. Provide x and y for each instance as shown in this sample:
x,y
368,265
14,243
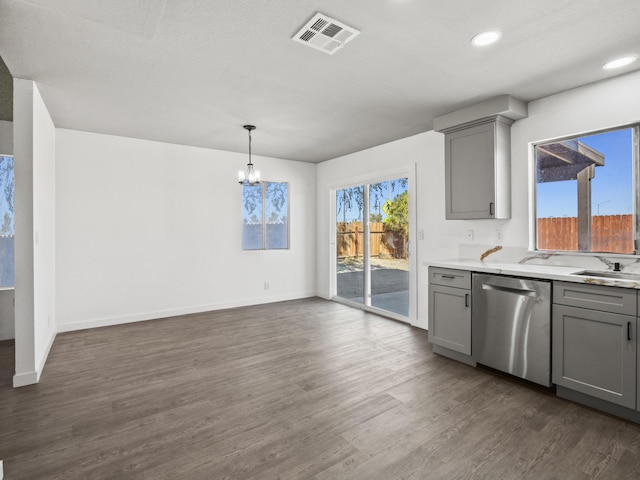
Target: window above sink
x,y
586,192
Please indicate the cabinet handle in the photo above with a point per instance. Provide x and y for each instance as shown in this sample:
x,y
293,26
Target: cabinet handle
x,y
629,331
491,208
448,277
466,300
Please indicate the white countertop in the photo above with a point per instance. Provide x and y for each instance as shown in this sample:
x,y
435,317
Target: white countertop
x,y
550,272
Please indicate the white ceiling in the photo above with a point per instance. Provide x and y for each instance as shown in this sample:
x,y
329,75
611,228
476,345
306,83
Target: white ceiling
x,y
194,71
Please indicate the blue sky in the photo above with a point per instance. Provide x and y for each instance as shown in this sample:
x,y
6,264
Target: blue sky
x,y
611,188
384,191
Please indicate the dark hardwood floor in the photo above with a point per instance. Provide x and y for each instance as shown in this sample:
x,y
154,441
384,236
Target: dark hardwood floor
x,y
302,389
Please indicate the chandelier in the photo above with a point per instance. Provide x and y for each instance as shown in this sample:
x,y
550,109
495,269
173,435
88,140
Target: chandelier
x,y
249,176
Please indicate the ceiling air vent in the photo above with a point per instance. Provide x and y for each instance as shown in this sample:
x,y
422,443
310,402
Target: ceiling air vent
x,y
325,34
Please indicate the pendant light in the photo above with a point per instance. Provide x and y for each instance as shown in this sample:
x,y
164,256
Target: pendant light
x,y
249,176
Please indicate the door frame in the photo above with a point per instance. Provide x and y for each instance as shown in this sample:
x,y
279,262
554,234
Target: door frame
x,y
381,176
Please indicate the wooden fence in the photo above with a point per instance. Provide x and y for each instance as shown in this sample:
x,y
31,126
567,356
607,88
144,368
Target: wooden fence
x,y
350,240
609,233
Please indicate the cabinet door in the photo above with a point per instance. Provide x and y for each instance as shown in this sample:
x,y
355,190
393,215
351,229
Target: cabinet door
x,y
595,353
450,318
470,172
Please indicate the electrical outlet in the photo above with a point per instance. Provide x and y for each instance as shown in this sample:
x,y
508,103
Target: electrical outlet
x,y
421,234
498,235
470,235
266,285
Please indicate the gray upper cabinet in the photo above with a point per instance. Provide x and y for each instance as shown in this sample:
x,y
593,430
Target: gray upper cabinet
x,y
450,309
478,169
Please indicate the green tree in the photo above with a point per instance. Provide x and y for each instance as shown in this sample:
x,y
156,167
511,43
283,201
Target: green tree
x,y
252,198
347,198
6,180
352,197
276,195
398,217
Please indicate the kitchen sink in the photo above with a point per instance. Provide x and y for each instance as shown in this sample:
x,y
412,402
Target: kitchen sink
x,y
609,274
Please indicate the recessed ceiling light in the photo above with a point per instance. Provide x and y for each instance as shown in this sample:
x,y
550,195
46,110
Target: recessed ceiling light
x,y
619,62
486,38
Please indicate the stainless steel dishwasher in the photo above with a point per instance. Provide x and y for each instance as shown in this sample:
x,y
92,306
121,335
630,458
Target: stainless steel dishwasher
x,y
511,325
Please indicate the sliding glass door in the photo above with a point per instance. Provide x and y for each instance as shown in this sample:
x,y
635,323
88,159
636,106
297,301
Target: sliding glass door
x,y
389,236
372,237
350,243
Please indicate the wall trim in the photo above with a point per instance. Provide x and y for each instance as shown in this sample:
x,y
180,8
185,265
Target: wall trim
x,y
29,378
43,361
24,379
141,317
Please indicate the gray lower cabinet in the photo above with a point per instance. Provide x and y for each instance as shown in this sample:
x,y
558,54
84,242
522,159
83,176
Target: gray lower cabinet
x,y
450,309
594,352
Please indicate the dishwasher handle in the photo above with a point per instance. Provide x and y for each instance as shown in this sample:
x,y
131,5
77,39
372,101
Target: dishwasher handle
x,y
518,291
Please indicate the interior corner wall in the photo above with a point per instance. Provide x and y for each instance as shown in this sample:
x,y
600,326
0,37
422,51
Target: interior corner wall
x,y
44,229
34,154
148,230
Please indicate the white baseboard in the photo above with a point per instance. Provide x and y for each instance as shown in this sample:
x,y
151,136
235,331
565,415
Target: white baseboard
x,y
43,360
25,378
119,320
29,378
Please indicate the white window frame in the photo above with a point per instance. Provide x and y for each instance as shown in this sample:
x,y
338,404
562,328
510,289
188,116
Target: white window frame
x,y
533,214
263,186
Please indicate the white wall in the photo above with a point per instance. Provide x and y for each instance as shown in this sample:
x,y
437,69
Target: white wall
x,y
601,105
44,229
596,106
6,295
34,153
148,229
425,153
